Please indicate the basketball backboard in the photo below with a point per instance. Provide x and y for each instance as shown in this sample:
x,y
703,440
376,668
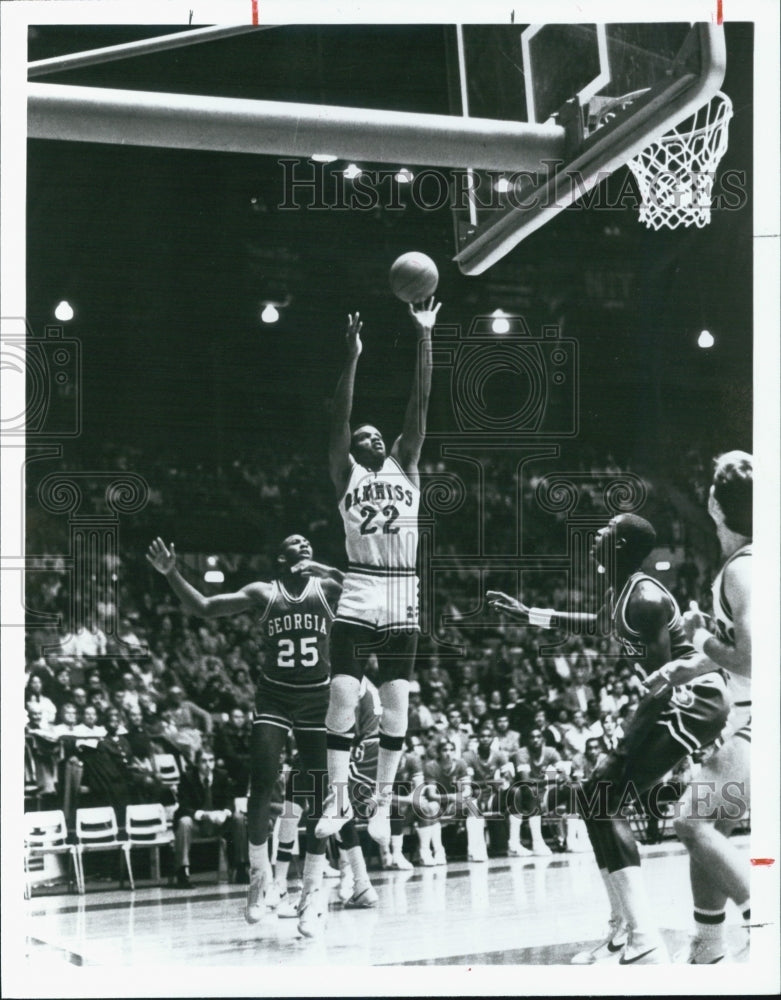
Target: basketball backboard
x,y
613,87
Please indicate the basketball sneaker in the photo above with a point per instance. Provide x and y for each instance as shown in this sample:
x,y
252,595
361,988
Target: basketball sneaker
x,y
346,883
256,897
518,851
335,815
287,908
701,952
363,899
311,913
273,896
644,949
378,826
440,858
399,863
609,948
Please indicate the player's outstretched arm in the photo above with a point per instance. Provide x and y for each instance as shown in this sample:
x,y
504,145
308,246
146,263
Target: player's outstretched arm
x,y
339,444
544,617
331,578
253,596
733,657
408,445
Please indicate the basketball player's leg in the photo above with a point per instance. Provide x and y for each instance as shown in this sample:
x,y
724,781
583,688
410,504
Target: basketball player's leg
x,y
349,646
648,753
266,745
309,783
395,659
709,810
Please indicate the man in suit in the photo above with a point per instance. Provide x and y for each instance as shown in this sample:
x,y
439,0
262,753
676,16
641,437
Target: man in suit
x,y
206,808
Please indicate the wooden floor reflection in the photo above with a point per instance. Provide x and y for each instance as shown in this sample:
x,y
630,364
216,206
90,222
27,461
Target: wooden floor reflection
x,y
505,912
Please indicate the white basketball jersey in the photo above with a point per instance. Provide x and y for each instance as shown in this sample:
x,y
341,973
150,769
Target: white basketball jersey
x,y
740,687
380,515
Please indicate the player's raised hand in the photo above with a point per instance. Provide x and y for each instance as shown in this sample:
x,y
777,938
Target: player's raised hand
x,y
161,557
500,601
353,335
425,316
308,567
693,619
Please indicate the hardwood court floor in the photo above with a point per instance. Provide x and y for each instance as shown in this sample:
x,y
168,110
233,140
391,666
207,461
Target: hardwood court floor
x,y
505,912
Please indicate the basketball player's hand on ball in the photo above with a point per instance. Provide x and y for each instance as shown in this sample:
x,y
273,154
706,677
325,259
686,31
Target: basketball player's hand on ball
x,y
353,336
162,558
425,316
692,620
502,602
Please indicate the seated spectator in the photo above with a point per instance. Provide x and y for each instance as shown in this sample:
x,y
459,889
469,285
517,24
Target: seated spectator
x,y
489,771
89,732
578,693
437,709
507,740
101,704
479,712
34,697
518,711
112,774
84,643
61,692
576,735
94,683
232,748
536,772
206,808
65,730
456,730
80,701
495,705
45,752
186,742
608,731
584,764
128,689
446,787
553,735
419,719
186,714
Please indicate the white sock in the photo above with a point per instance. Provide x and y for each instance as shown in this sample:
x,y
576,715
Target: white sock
x,y
630,889
314,865
426,836
258,860
535,828
397,843
616,911
515,830
357,864
338,772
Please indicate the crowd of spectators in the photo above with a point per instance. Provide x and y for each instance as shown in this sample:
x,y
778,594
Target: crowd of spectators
x,y
103,702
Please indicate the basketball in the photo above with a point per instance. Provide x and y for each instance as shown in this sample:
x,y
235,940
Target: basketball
x,y
413,277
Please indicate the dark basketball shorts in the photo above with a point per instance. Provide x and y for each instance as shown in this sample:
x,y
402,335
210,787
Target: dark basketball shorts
x,y
291,706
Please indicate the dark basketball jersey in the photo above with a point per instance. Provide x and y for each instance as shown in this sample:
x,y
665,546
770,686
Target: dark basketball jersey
x,y
296,631
630,639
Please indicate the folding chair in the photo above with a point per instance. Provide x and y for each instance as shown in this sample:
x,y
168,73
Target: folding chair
x,y
168,771
96,830
46,833
147,826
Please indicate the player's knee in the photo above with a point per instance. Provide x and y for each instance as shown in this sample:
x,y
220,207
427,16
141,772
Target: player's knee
x,y
345,691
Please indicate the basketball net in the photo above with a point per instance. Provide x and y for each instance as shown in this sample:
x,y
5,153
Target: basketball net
x,y
675,173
